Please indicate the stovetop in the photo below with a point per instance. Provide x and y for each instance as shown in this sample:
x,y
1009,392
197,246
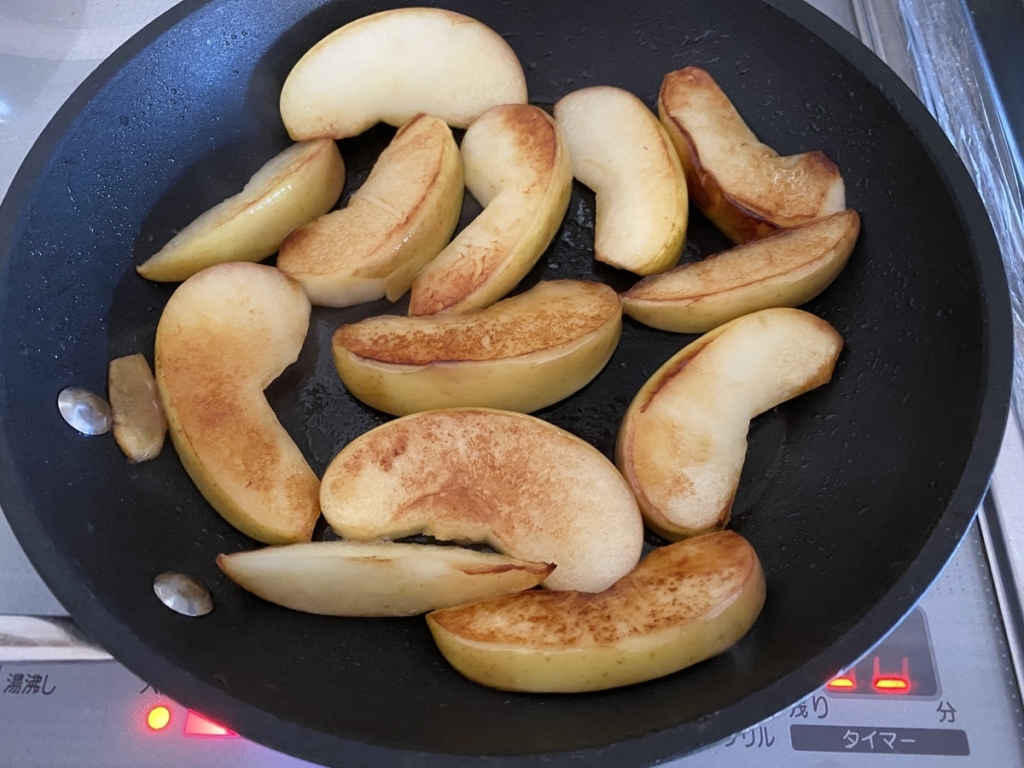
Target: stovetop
x,y
945,682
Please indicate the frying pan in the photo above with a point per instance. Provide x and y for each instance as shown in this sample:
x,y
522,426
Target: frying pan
x,y
854,495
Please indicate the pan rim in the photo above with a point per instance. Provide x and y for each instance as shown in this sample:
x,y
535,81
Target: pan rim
x,y
900,598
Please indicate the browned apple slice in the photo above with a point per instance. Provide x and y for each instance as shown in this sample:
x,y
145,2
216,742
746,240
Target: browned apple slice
x,y
621,151
400,219
394,64
785,269
225,334
742,185
684,603
293,188
351,578
517,167
525,487
683,439
520,354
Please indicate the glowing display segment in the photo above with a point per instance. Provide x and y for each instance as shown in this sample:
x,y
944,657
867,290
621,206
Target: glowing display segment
x,y
197,725
902,664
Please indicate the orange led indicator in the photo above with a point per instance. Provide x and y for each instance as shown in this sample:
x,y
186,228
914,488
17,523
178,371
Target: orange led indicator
x,y
158,718
888,682
197,725
844,683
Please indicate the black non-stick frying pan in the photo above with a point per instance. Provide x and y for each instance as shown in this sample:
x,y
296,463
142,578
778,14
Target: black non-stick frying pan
x,y
854,495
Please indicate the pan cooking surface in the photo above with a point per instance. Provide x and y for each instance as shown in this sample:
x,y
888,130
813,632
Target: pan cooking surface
x,y
853,495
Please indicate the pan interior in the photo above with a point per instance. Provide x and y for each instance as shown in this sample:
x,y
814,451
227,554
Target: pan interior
x,y
842,486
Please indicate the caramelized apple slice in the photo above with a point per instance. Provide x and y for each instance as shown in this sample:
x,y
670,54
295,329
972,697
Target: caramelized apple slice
x,y
521,485
743,186
225,334
683,439
785,269
684,603
520,354
517,167
392,65
349,578
620,150
393,225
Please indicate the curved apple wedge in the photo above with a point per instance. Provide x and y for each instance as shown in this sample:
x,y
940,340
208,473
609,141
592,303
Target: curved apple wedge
x,y
684,603
517,167
225,334
401,218
740,184
785,269
392,65
620,150
520,354
683,439
528,489
349,578
292,189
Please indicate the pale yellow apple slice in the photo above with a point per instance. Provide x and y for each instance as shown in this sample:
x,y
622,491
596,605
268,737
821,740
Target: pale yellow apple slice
x,y
520,354
785,269
516,166
138,416
525,487
292,189
225,334
682,442
393,225
350,578
684,603
740,184
621,151
392,65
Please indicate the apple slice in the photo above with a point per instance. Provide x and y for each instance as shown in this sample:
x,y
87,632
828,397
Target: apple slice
x,y
684,603
784,269
743,186
621,151
138,416
351,578
394,224
520,354
683,439
225,334
517,167
395,64
292,189
525,487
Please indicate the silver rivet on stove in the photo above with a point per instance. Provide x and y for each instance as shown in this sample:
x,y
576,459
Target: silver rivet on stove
x,y
183,594
84,410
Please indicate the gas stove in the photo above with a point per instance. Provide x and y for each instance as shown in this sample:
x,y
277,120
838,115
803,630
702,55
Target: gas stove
x,y
946,682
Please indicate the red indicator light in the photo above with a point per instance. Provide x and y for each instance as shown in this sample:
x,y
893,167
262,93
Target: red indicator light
x,y
843,683
888,682
158,718
197,725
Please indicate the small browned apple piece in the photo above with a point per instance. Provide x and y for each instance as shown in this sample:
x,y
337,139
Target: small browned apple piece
x,y
139,422
683,439
742,185
684,603
785,269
